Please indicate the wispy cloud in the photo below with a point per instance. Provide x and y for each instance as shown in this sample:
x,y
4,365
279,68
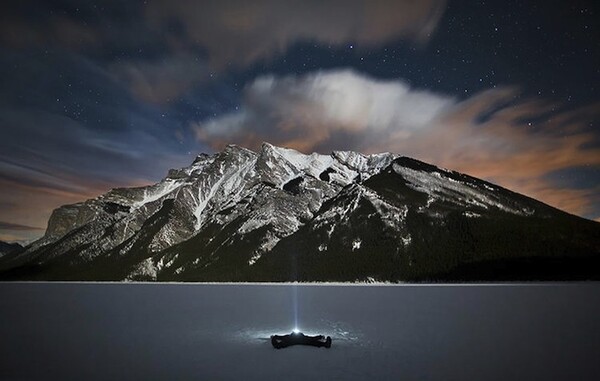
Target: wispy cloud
x,y
73,136
494,135
238,33
242,32
10,226
168,46
161,80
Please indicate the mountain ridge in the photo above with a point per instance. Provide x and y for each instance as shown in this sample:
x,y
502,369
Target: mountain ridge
x,y
7,248
278,214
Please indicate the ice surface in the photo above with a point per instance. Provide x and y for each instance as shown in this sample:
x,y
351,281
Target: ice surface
x,y
205,332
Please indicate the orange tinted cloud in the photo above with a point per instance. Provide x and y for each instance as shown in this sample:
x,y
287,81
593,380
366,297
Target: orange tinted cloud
x,y
32,204
519,155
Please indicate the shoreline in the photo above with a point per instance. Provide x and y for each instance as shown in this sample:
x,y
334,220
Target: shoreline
x,y
321,284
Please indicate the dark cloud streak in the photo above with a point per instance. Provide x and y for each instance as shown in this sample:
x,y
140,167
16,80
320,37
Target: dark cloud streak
x,y
10,226
240,32
161,49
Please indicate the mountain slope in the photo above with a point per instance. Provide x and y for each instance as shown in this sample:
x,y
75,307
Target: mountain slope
x,y
8,248
281,215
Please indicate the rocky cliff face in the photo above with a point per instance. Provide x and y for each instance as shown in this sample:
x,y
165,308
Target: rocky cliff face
x,y
278,214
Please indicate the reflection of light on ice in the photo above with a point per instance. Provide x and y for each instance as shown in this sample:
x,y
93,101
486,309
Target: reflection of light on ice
x,y
295,303
340,332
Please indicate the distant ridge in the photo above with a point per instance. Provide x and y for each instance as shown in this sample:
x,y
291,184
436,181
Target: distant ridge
x,y
6,248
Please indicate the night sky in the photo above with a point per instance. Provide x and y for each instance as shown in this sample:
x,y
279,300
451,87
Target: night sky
x,y
104,94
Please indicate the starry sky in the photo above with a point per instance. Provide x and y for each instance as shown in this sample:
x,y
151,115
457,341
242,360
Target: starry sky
x,y
103,94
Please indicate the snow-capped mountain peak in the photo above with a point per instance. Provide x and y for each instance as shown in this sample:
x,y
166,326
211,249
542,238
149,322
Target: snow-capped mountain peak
x,y
240,212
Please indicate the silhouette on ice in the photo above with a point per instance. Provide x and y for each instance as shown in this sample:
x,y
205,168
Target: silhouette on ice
x,y
298,338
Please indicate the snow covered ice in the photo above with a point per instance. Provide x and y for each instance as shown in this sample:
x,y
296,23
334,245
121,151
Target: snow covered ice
x,y
91,331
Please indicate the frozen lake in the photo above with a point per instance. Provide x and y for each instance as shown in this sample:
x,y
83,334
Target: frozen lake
x,y
212,332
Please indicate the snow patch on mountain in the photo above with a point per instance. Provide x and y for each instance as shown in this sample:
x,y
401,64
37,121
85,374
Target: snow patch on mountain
x,y
392,216
366,165
158,191
267,244
313,164
163,263
228,184
356,244
341,210
443,187
144,269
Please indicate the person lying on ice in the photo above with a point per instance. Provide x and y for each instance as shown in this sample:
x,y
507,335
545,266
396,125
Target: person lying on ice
x,y
298,338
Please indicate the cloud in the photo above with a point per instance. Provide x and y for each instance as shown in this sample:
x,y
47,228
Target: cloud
x,y
30,203
163,48
60,147
488,135
10,226
16,31
242,32
238,33
323,110
160,80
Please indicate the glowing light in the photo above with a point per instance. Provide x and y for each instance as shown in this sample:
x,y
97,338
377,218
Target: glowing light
x,y
296,330
295,305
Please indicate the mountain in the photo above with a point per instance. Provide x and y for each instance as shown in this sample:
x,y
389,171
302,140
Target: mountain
x,y
279,215
7,248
